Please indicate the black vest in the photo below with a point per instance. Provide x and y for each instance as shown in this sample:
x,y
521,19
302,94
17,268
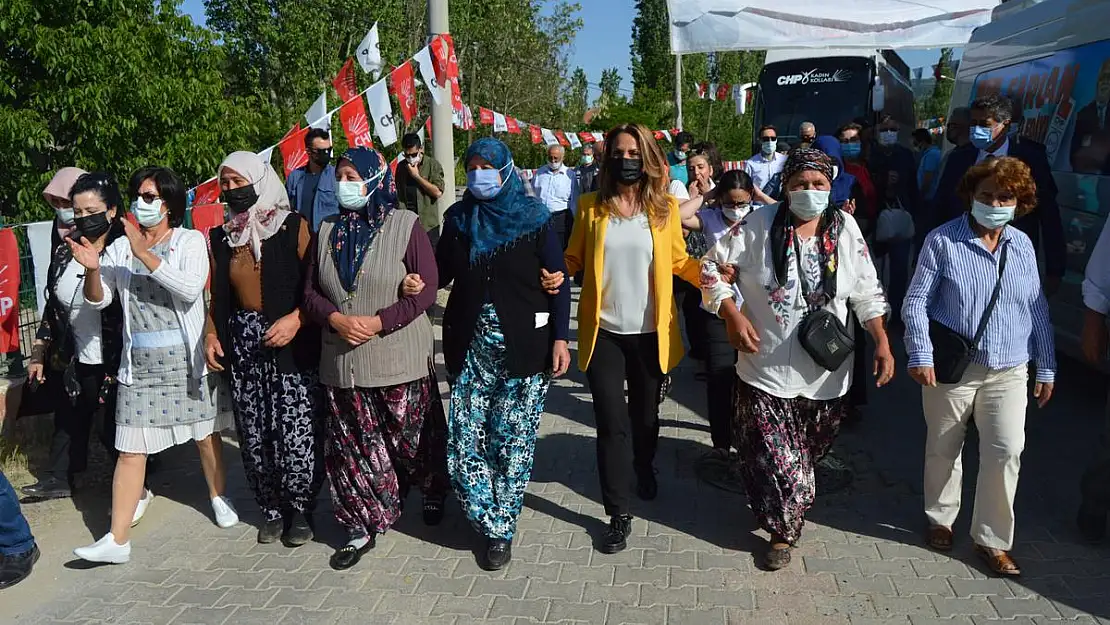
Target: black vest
x,y
282,291
511,281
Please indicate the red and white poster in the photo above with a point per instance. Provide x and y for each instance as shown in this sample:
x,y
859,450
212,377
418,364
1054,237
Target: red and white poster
x,y
345,83
562,138
292,149
355,124
401,79
586,137
9,291
485,116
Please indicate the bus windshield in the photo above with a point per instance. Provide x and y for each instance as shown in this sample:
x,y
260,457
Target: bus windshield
x,y
829,92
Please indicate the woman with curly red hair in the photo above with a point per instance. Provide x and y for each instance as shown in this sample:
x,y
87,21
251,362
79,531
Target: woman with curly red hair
x,y
975,316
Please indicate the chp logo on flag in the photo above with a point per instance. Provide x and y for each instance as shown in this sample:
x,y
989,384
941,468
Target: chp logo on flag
x,y
405,90
355,124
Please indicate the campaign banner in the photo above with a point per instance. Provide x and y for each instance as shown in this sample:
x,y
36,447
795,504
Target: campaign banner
x,y
9,291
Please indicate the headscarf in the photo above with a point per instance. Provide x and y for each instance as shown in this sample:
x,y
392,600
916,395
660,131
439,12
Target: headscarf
x,y
493,224
355,230
62,182
828,229
262,220
842,184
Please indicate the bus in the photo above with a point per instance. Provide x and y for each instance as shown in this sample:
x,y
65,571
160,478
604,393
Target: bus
x,y
831,87
1052,58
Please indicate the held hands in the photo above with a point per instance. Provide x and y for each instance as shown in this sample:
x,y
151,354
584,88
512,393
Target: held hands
x,y
551,281
355,330
85,254
282,332
560,359
412,285
213,351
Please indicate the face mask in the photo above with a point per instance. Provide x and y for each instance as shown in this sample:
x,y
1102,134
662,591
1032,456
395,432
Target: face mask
x,y
629,170
735,212
93,227
851,150
413,160
148,215
807,205
321,157
241,199
992,217
485,184
556,166
769,147
680,155
349,194
888,137
65,215
982,137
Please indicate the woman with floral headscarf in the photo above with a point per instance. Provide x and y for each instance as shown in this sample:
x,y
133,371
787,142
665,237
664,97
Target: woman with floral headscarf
x,y
257,331
384,418
800,257
503,339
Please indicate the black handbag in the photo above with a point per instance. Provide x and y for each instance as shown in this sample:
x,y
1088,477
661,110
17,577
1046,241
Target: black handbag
x,y
952,352
822,334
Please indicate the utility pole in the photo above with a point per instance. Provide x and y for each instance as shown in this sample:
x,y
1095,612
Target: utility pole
x,y
443,132
678,89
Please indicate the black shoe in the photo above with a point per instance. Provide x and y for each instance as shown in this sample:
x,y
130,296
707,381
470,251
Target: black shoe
x,y
16,568
616,537
647,488
299,532
348,555
1092,525
498,554
433,510
49,488
270,531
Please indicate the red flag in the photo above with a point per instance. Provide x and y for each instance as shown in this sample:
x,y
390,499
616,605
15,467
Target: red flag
x,y
207,193
659,136
9,291
292,149
345,83
205,217
724,90
703,89
428,128
514,128
562,138
401,79
586,137
485,116
355,124
293,130
537,134
443,48
393,165
453,76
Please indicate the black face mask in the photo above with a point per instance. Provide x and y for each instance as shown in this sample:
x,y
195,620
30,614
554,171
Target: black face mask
x,y
628,170
241,199
321,157
93,227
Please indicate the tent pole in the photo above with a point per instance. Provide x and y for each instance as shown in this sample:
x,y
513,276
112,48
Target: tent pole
x,y
678,89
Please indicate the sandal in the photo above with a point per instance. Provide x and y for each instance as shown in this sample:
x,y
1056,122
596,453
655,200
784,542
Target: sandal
x,y
940,538
999,562
777,556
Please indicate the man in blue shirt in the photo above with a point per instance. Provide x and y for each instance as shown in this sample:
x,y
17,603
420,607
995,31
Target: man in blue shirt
x,y
928,166
557,186
677,157
311,188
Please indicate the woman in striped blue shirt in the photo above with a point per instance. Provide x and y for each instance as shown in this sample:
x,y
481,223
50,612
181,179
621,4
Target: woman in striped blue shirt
x,y
960,265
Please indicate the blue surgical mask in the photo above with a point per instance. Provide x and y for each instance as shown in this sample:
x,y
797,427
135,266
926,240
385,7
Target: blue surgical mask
x,y
65,216
992,217
587,159
148,215
851,150
808,204
982,137
888,137
485,184
350,194
769,147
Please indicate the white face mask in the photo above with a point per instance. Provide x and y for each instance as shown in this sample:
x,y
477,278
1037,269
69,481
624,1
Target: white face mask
x,y
65,216
414,159
148,215
808,204
888,137
992,217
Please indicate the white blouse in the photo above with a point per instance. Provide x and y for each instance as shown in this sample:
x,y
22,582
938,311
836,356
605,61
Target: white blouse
x,y
83,319
782,367
627,288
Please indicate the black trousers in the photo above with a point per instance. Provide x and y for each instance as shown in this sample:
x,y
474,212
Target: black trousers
x,y
857,394
720,361
73,423
627,430
563,223
689,303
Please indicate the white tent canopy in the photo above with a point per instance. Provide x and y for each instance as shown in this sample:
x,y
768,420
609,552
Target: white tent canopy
x,y
722,25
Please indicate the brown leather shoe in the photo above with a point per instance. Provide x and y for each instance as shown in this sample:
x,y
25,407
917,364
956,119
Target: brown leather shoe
x,y
998,561
940,538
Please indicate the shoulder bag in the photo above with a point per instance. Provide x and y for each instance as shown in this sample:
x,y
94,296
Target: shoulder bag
x,y
824,337
952,353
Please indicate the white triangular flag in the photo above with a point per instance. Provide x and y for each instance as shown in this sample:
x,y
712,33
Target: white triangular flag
x,y
377,96
317,114
420,133
599,136
667,136
499,122
428,72
369,54
266,154
549,137
572,139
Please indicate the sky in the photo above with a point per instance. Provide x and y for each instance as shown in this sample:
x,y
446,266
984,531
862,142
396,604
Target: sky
x,y
606,36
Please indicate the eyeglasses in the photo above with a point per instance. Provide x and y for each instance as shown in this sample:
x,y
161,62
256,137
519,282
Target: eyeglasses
x,y
150,197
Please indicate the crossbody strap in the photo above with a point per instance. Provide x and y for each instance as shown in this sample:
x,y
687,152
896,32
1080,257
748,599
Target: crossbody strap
x,y
994,297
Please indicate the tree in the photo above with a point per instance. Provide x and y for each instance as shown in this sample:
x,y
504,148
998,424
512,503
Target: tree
x,y
111,85
652,62
578,97
610,86
936,105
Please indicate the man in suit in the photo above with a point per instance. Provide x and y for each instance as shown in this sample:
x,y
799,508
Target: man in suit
x,y
991,117
1090,142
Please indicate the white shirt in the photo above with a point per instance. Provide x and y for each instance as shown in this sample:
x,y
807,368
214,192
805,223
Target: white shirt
x,y
1003,150
762,169
627,288
679,190
83,319
557,189
782,367
183,272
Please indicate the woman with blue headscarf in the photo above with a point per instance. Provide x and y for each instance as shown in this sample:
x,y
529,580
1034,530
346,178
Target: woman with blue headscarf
x,y
504,337
375,361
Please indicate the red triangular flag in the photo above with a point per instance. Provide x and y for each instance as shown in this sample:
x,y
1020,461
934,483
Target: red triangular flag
x,y
514,128
295,129
207,193
356,125
9,291
442,49
562,138
537,134
428,129
345,83
485,116
659,136
401,79
586,137
724,91
703,90
292,149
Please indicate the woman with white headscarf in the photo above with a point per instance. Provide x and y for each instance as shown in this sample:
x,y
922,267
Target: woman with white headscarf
x,y
258,334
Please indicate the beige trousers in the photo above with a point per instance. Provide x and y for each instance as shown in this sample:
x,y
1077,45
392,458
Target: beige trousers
x,y
998,400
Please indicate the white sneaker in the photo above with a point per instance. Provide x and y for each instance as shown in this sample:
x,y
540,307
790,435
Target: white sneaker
x,y
105,550
226,516
144,503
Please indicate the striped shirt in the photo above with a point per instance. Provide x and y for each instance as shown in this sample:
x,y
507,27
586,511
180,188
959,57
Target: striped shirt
x,y
953,284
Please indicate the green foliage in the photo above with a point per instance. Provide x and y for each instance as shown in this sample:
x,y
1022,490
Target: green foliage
x,y
936,105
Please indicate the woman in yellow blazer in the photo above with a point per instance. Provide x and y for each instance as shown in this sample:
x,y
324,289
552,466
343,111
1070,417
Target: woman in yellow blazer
x,y
627,241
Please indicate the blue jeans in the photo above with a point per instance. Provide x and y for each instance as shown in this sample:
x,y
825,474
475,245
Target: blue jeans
x,y
15,534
